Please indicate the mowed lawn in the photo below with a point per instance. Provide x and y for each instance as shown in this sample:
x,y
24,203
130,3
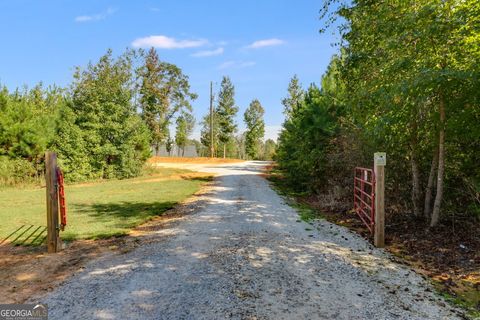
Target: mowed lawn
x,y
101,209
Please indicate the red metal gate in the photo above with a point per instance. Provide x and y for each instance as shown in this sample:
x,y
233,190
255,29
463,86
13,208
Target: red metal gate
x,y
61,199
364,196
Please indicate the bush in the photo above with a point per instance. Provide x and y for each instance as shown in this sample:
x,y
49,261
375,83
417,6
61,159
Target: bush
x,y
17,171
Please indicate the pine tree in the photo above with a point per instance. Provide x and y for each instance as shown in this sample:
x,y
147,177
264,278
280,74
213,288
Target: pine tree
x,y
255,128
295,97
225,113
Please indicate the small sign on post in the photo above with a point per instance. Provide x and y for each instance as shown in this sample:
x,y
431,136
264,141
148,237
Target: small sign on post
x,y
53,236
380,161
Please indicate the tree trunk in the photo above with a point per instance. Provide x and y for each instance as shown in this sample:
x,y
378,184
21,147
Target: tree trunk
x,y
183,151
427,210
441,166
224,150
416,190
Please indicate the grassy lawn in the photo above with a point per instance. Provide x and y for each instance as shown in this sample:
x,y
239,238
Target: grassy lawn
x,y
99,209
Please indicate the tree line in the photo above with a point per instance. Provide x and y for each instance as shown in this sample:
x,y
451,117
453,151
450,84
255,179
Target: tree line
x,y
221,125
406,81
107,122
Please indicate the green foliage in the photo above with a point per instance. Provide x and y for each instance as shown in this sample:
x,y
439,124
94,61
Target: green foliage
x,y
253,118
205,133
28,121
269,149
164,92
185,125
294,99
226,111
95,126
103,123
406,82
305,138
17,171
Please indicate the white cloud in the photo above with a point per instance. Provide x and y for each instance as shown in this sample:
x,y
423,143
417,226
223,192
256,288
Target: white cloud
x,y
155,9
266,43
208,53
236,64
164,42
95,17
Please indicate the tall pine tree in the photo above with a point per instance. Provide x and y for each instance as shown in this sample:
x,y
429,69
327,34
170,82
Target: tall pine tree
x,y
225,113
255,129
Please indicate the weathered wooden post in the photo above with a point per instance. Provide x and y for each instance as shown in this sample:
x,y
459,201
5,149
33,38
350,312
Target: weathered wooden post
x,y
53,237
380,160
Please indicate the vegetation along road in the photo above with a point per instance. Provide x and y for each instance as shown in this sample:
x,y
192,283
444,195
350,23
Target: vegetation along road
x,y
244,254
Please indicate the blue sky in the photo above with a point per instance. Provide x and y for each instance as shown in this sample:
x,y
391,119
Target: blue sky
x,y
259,44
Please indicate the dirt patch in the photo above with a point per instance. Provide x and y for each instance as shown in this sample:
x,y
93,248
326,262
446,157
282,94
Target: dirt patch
x,y
201,160
30,271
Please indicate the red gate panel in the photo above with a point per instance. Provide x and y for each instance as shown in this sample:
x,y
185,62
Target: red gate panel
x,y
364,196
61,199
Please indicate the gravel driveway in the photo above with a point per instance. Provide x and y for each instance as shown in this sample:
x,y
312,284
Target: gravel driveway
x,y
245,255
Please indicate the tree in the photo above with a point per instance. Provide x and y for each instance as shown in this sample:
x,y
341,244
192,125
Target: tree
x,y
269,149
225,113
411,68
169,145
294,99
240,142
411,72
164,92
306,138
114,136
185,125
253,118
205,133
28,121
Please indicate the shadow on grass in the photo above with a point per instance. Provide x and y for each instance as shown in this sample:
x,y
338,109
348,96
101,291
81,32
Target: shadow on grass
x,y
26,235
202,178
116,219
125,210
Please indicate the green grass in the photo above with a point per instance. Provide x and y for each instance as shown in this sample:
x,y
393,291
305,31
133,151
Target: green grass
x,y
99,209
467,300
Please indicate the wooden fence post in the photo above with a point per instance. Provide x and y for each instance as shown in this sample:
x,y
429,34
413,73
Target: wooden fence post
x,y
53,237
380,160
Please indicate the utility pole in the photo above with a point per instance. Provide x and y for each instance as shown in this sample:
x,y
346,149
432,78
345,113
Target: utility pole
x,y
212,149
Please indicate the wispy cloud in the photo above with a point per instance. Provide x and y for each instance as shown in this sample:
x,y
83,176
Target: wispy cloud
x,y
236,64
95,17
208,53
266,43
154,9
164,42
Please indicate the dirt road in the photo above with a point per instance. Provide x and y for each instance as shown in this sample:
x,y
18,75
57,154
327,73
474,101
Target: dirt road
x,y
245,255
